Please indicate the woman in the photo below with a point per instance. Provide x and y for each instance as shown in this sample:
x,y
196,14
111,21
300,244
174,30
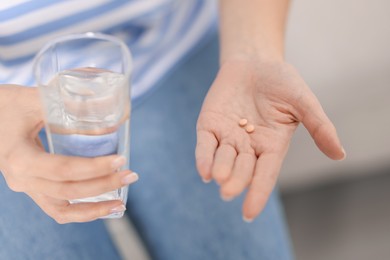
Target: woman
x,y
176,216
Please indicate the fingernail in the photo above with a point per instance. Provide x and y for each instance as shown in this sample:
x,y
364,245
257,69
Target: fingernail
x,y
130,178
118,162
118,209
226,198
247,220
345,154
206,180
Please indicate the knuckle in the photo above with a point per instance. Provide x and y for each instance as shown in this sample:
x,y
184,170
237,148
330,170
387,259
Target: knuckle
x,y
221,173
14,185
232,189
67,191
270,179
99,213
61,219
115,181
220,177
15,164
65,170
58,215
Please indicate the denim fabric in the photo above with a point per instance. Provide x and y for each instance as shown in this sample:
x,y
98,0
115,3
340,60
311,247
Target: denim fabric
x,y
176,215
26,233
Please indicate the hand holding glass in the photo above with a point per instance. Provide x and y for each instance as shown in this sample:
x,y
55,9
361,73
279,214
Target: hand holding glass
x,y
84,85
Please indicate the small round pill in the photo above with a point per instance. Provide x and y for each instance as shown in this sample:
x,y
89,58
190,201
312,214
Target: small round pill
x,y
250,128
243,122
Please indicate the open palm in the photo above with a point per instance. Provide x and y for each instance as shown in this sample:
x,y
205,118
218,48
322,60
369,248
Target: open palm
x,y
273,98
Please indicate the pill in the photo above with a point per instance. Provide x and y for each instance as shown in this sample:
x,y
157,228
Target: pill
x,y
250,128
243,122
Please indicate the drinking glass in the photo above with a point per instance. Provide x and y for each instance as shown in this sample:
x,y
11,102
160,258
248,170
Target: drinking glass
x,y
84,84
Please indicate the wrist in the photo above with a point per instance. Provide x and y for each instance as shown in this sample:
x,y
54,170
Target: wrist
x,y
248,54
252,30
256,50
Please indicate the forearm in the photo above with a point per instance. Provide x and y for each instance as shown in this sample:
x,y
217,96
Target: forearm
x,y
252,28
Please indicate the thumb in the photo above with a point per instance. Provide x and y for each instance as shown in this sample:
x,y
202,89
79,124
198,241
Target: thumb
x,y
321,129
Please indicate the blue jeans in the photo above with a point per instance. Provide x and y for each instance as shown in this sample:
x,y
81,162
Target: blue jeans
x,y
176,215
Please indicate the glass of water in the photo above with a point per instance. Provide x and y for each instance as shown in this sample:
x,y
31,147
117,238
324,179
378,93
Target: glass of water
x,y
84,82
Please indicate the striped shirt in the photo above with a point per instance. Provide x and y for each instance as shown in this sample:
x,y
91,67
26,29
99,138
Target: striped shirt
x,y
159,33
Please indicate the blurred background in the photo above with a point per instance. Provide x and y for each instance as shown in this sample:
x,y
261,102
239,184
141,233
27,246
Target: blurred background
x,y
341,210
335,210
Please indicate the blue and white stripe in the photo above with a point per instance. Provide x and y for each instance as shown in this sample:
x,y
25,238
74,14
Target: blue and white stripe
x,y
158,32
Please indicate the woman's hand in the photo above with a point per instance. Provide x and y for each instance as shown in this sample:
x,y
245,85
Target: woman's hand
x,y
274,98
51,180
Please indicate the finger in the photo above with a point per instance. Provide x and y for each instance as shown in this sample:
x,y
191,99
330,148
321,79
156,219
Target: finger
x,y
223,163
69,168
82,189
35,131
204,153
63,212
242,174
263,182
320,127
39,143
